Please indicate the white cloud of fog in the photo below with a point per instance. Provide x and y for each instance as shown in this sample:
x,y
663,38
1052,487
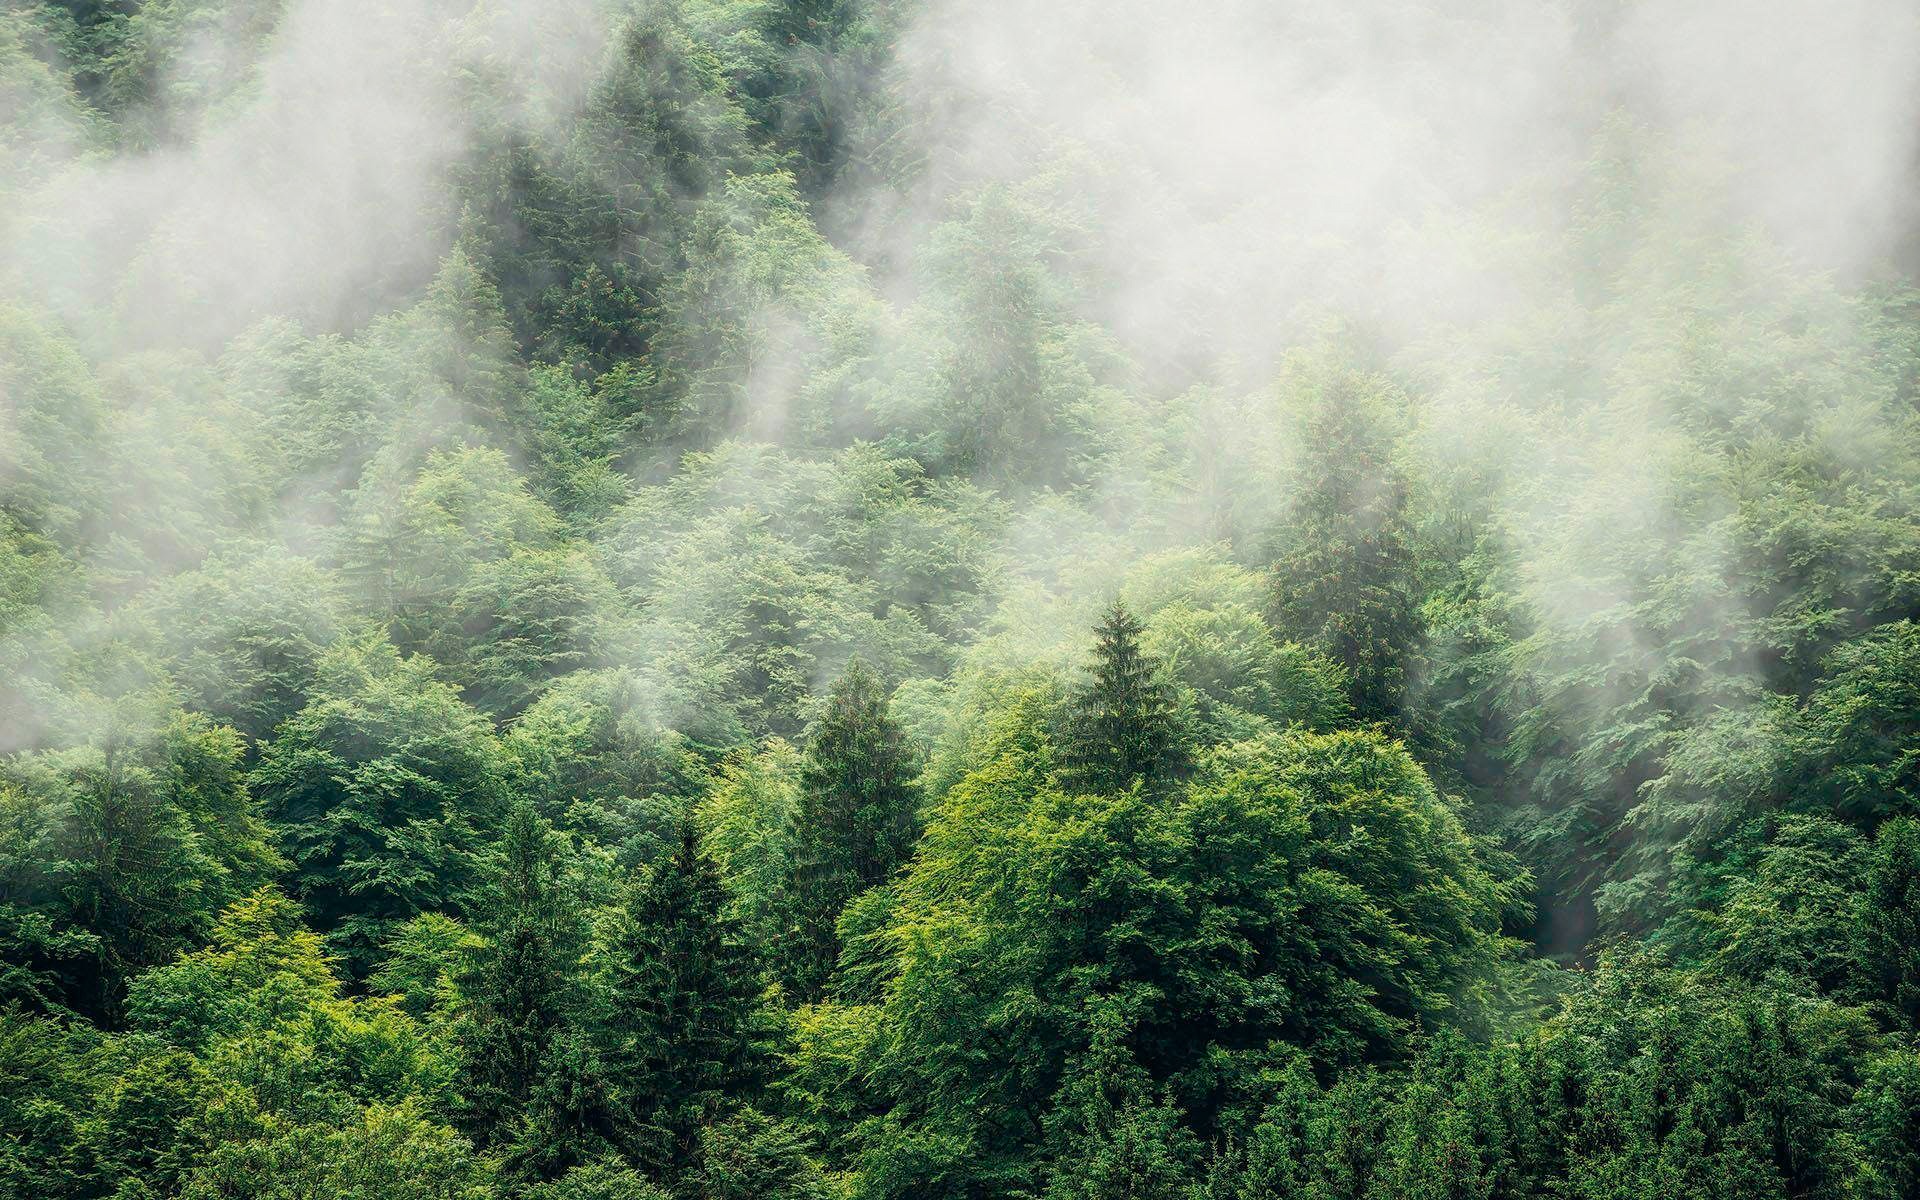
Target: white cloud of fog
x,y
1240,171
1237,169
318,189
1252,159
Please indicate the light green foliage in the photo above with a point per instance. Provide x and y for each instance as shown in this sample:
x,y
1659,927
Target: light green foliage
x,y
758,573
242,636
605,1179
763,304
247,1071
573,434
737,599
1344,566
747,828
52,413
1860,727
168,64
1002,383
412,547
386,1154
43,121
1238,671
264,998
520,622
1788,917
1274,898
422,961
594,756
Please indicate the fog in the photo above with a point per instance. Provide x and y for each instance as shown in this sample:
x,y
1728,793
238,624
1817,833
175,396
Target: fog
x,y
1509,207
1242,162
298,163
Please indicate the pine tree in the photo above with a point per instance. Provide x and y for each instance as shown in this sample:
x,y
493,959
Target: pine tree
x,y
1888,933
679,995
858,818
1121,727
523,988
1343,562
1115,1134
461,338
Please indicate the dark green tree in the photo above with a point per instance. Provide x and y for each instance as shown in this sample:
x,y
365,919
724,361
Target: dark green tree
x,y
679,994
1113,1135
523,990
1121,726
115,857
1887,933
858,816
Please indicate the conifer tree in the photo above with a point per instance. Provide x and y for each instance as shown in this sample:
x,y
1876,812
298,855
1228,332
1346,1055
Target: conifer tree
x,y
1121,727
523,988
856,825
1343,560
1888,933
679,995
1115,1135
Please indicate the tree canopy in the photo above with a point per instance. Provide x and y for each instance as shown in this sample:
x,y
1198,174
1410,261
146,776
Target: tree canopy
x,y
853,600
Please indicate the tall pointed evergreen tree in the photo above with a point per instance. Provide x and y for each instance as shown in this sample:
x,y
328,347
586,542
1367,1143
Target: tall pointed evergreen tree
x,y
679,997
523,989
1121,727
1888,934
858,818
1343,559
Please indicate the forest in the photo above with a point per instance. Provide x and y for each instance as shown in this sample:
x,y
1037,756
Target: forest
x,y
959,600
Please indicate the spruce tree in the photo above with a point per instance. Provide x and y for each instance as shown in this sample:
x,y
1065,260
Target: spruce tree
x,y
1343,558
1121,726
523,993
1115,1134
679,995
1888,933
857,821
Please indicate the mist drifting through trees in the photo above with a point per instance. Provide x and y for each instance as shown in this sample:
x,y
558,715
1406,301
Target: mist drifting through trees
x,y
897,599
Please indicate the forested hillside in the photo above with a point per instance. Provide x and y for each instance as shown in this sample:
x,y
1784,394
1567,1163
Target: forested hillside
x,y
954,600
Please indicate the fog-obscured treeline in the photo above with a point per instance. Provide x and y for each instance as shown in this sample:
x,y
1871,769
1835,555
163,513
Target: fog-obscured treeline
x,y
844,599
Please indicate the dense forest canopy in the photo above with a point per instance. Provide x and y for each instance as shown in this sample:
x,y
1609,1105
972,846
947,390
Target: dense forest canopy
x,y
950,599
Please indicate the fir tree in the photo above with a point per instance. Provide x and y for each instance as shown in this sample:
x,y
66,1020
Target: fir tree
x,y
1121,727
523,992
1115,1136
857,821
1888,933
679,995
1343,562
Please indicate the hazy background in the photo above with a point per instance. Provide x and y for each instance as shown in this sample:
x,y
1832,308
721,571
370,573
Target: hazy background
x,y
1510,205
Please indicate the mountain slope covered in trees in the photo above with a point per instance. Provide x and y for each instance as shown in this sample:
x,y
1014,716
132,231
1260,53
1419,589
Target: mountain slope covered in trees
x,y
858,599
